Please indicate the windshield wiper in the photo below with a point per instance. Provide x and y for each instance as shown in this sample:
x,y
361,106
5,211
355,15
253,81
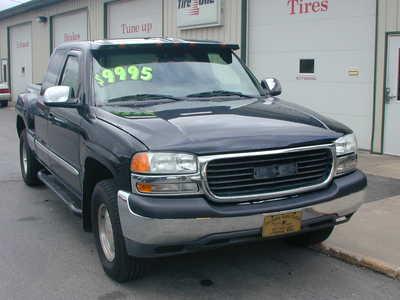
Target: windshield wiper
x,y
143,97
219,93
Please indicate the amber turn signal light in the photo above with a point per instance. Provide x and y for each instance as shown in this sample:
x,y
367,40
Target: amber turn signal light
x,y
140,163
144,187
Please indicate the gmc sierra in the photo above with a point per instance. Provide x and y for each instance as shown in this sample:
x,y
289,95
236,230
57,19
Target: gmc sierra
x,y
167,146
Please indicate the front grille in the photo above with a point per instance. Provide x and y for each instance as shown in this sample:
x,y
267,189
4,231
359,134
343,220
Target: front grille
x,y
237,177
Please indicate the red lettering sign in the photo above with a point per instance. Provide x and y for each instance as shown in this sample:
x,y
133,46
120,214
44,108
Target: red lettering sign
x,y
69,37
144,27
22,44
299,7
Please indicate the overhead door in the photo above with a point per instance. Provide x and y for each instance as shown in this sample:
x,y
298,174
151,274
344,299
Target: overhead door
x,y
20,38
69,27
134,19
322,51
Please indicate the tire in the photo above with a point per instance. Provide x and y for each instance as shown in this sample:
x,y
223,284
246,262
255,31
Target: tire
x,y
119,266
28,162
311,238
3,103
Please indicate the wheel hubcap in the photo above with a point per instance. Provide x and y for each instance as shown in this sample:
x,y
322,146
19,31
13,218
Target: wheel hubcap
x,y
106,234
24,158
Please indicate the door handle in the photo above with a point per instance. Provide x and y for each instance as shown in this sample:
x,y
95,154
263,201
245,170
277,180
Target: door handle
x,y
388,96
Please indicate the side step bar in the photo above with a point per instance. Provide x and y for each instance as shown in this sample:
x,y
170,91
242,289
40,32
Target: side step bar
x,y
59,189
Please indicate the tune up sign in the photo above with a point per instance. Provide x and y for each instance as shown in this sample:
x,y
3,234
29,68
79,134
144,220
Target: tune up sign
x,y
198,13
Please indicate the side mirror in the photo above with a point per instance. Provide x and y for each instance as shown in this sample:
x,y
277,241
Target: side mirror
x,y
272,86
59,96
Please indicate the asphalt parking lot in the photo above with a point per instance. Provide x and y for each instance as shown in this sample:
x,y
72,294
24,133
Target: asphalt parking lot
x,y
44,254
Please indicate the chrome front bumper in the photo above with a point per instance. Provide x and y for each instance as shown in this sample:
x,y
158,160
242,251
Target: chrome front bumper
x,y
153,232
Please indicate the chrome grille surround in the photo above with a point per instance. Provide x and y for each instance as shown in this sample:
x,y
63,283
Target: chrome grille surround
x,y
205,160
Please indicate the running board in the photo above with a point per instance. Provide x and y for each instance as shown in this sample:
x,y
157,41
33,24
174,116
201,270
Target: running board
x,y
59,189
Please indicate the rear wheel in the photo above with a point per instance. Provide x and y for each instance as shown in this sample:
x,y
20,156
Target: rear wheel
x,y
312,237
28,162
3,103
110,243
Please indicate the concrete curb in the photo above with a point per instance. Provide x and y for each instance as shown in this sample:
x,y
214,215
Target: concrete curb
x,y
360,260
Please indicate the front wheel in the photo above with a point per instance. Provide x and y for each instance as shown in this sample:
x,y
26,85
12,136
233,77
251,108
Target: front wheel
x,y
3,103
110,243
28,162
312,237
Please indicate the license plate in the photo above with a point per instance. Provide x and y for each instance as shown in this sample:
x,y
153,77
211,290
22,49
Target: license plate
x,y
275,171
282,224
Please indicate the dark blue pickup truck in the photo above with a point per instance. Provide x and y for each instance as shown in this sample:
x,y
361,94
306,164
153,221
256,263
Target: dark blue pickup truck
x,y
168,146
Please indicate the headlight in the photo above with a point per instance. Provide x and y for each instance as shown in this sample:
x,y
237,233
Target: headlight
x,y
346,154
346,144
163,163
164,173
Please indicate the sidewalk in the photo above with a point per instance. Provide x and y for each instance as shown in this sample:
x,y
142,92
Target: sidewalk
x,y
372,237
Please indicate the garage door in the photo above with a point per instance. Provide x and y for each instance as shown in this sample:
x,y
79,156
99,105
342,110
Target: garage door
x,y
20,58
134,18
69,27
322,51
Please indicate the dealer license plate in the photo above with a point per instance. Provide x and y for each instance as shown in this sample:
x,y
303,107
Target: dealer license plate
x,y
282,224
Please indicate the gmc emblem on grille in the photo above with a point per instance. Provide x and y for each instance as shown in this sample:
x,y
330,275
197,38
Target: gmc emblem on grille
x,y
275,171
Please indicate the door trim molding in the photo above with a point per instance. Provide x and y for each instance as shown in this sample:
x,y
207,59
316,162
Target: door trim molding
x,y
375,77
67,166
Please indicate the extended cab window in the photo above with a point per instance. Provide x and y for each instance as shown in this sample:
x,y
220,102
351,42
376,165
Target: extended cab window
x,y
70,76
175,71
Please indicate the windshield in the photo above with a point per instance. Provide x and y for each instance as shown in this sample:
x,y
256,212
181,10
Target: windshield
x,y
174,74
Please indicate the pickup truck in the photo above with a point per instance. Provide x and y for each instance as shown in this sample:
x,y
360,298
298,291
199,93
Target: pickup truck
x,y
166,146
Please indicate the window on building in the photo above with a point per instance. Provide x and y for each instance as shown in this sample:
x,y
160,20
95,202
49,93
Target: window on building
x,y
307,66
5,73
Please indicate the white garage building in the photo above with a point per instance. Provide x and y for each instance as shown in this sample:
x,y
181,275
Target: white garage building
x,y
338,57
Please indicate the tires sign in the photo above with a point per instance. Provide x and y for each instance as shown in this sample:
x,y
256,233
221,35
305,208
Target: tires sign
x,y
198,13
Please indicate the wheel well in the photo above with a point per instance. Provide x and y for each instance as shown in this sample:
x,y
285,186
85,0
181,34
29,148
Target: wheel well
x,y
20,125
94,173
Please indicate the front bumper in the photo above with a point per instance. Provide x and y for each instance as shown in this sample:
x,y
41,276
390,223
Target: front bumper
x,y
5,97
160,227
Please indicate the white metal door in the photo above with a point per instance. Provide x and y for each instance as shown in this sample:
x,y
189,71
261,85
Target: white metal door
x,y
20,58
391,142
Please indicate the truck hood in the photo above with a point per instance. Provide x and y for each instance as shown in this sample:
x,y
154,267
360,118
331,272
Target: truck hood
x,y
221,125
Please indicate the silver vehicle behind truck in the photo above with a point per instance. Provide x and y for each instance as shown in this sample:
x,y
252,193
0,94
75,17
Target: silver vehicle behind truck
x,y
5,95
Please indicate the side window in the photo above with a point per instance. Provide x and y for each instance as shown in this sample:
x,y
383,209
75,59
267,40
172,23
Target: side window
x,y
53,70
70,76
307,66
